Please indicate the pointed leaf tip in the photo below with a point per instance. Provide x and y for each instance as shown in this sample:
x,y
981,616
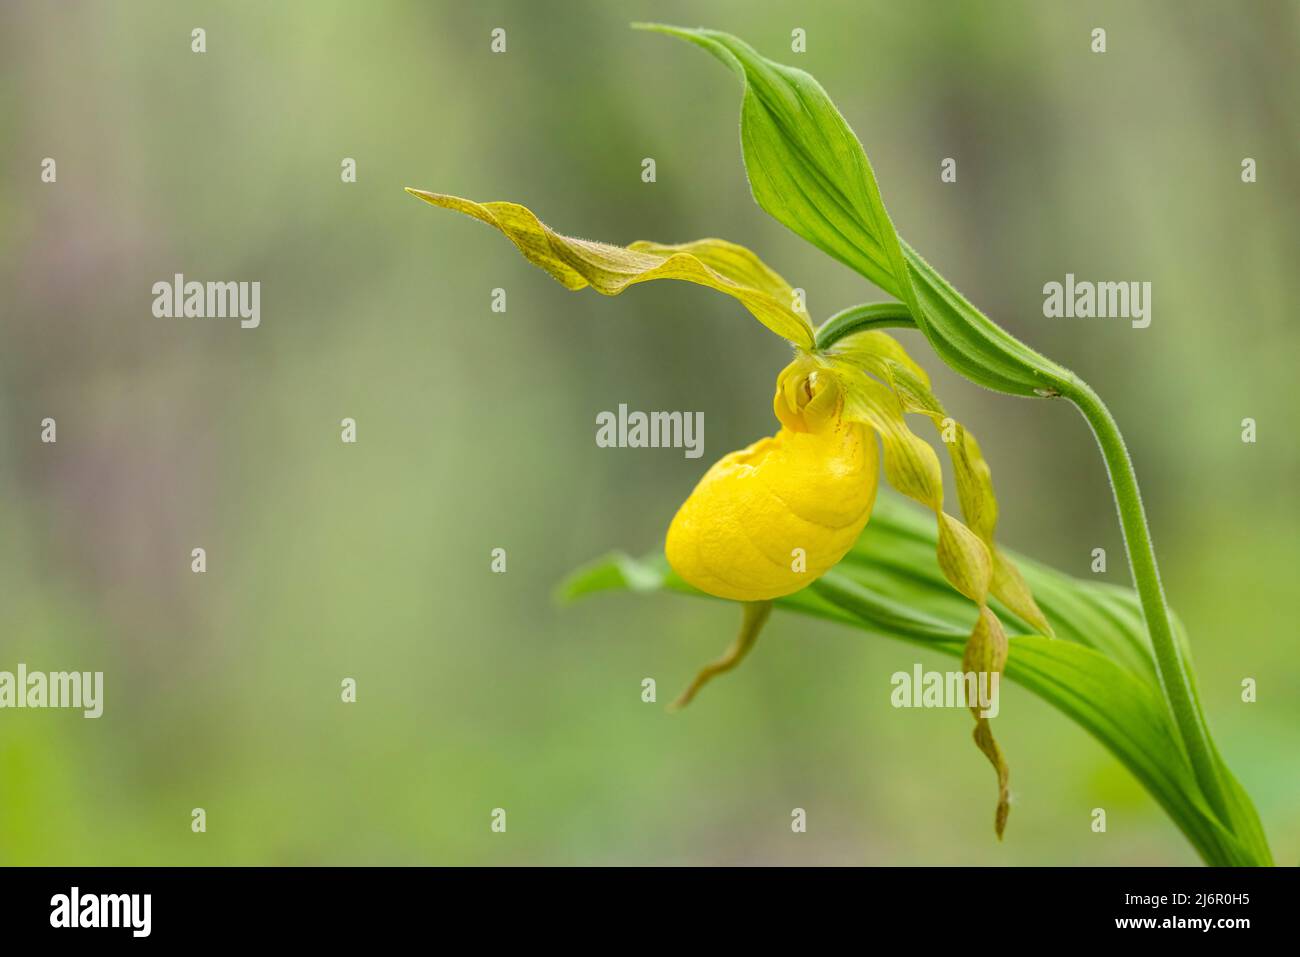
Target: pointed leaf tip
x,y
651,27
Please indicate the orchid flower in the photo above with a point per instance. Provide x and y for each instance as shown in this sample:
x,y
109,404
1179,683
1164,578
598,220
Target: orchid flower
x,y
766,520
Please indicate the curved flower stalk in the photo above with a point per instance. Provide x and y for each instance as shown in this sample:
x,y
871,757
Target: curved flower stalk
x,y
767,520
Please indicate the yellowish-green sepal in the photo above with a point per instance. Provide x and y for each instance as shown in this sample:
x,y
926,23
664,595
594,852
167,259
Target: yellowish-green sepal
x,y
578,263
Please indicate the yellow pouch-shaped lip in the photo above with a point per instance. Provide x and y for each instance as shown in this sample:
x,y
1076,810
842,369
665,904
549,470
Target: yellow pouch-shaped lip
x,y
769,519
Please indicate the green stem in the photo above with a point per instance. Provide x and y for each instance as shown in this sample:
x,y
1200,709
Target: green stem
x,y
871,315
1172,666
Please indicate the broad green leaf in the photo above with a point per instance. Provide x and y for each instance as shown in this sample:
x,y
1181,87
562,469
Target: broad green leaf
x,y
578,263
807,169
1098,670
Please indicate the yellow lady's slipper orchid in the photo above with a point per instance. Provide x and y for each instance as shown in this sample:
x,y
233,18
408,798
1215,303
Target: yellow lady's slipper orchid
x,y
769,519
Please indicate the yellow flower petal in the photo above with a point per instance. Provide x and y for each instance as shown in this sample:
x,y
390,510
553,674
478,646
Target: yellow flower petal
x,y
768,520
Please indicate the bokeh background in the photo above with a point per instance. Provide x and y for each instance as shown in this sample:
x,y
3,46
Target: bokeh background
x,y
476,430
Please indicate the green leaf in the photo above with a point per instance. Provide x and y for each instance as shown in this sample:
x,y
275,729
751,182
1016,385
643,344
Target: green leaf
x,y
1098,671
809,171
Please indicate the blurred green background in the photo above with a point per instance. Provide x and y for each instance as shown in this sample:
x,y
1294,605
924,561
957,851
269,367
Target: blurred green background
x,y
476,429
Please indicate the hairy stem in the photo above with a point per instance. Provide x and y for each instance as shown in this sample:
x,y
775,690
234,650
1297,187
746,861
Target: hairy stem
x,y
871,315
1172,666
